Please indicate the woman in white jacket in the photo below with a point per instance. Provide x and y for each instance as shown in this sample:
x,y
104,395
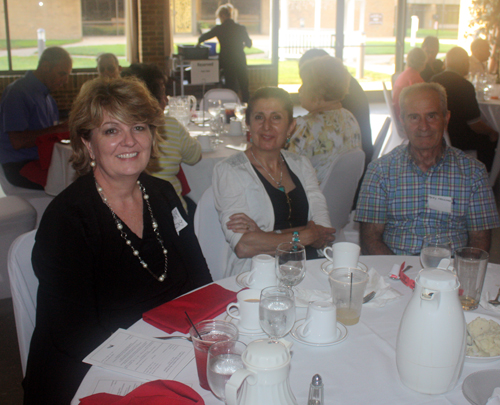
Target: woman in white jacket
x,y
266,196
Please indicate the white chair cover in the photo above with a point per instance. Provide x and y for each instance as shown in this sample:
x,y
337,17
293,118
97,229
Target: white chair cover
x,y
339,188
210,236
17,216
37,198
379,142
24,285
396,137
224,95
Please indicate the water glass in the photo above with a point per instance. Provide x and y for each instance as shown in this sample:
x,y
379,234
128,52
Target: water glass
x,y
470,265
214,107
224,358
290,263
434,249
211,331
277,311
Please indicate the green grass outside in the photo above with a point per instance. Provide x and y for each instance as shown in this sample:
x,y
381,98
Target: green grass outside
x,y
118,50
31,62
33,43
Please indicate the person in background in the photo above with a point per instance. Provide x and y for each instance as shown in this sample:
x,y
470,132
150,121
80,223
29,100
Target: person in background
x,y
425,187
232,38
108,66
28,110
176,145
415,62
480,49
355,101
430,46
111,246
329,130
466,129
266,196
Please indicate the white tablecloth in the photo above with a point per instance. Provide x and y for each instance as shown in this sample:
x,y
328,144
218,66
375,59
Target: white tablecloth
x,y
199,176
361,369
490,112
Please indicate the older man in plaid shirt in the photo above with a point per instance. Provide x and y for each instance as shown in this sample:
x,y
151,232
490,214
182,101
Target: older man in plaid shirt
x,y
425,187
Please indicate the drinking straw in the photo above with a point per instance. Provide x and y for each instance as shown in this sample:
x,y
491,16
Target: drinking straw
x,y
350,292
192,324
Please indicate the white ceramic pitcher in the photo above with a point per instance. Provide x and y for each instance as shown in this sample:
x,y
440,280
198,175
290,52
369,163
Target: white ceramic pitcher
x,y
430,348
264,380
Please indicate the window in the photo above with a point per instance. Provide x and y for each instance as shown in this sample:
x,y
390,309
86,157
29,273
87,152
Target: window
x,y
84,28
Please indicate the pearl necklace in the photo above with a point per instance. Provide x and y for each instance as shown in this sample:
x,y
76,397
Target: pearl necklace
x,y
280,186
123,234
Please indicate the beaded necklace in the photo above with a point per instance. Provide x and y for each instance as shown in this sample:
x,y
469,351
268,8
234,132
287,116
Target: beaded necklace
x,y
123,234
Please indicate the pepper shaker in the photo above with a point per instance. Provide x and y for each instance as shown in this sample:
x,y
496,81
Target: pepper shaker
x,y
316,396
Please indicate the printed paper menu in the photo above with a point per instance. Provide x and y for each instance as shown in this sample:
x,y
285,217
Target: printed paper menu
x,y
141,356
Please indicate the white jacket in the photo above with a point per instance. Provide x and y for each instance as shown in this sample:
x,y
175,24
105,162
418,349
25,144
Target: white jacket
x,y
238,189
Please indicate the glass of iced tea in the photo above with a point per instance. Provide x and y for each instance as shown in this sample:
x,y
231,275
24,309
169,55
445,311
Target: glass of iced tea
x,y
211,331
348,288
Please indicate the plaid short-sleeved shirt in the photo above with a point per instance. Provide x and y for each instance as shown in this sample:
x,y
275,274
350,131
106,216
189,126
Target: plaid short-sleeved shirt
x,y
395,192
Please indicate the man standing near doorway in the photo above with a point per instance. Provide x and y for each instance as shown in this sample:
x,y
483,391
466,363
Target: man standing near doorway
x,y
27,111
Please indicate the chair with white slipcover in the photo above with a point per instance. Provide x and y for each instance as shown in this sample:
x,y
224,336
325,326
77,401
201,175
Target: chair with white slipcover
x,y
24,286
339,188
224,95
210,236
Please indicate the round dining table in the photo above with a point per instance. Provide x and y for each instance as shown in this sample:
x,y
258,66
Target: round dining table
x,y
359,370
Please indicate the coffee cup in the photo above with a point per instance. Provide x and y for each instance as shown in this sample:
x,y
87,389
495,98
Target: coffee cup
x,y
320,325
342,254
248,309
235,127
263,273
205,142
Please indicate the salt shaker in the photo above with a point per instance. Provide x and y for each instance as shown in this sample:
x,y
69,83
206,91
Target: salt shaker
x,y
316,396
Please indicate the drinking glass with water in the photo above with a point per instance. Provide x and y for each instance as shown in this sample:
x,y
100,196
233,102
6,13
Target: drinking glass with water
x,y
434,249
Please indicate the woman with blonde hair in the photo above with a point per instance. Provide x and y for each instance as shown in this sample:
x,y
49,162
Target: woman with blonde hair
x,y
328,130
113,245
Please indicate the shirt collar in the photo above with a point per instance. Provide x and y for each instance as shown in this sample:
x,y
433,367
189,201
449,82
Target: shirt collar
x,y
36,84
434,167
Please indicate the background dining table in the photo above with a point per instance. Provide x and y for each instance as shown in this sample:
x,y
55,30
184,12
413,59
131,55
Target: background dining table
x,y
361,369
199,176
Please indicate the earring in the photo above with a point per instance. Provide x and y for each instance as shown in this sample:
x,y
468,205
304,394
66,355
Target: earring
x,y
92,163
288,140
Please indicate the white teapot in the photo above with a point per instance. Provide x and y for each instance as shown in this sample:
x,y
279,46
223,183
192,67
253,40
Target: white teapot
x,y
264,380
430,349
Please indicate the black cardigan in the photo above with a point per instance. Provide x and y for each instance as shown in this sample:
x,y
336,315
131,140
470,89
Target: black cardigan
x,y
91,284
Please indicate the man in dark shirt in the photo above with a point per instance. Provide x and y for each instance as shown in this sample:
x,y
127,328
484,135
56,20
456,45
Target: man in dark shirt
x,y
433,66
233,38
466,129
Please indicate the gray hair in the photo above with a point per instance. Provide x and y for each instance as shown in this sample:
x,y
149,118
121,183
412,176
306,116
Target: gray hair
x,y
423,87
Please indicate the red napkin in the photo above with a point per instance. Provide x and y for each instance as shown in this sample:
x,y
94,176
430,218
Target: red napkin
x,y
37,170
205,303
159,392
184,183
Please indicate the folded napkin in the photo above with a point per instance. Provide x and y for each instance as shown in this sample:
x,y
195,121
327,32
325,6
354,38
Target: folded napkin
x,y
205,303
495,397
384,293
303,296
159,392
485,297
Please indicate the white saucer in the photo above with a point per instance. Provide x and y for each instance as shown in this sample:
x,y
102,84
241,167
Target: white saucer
x,y
235,134
242,331
205,150
478,387
241,279
324,265
341,335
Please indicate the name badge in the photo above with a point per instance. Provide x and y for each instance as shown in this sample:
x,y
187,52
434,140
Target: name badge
x,y
179,222
440,203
